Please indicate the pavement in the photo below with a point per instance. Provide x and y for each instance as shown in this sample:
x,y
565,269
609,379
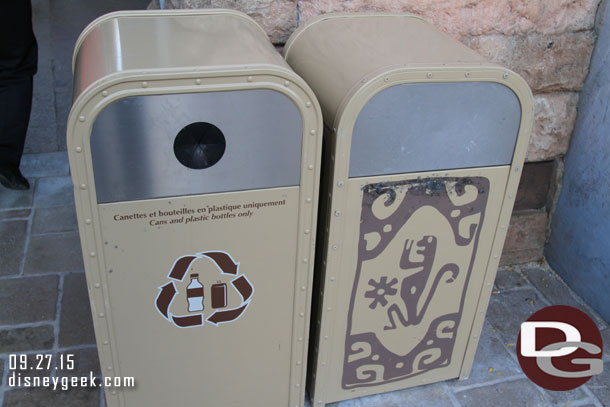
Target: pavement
x,y
43,301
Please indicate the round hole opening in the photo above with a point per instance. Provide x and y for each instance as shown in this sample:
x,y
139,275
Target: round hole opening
x,y
199,145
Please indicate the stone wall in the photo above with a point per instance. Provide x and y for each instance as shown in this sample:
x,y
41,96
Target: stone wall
x,y
549,43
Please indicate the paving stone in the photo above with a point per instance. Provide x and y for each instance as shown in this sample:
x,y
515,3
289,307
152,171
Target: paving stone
x,y
75,324
2,372
85,362
433,394
509,309
36,397
566,398
492,361
520,393
56,219
54,191
12,198
600,385
28,299
54,253
28,338
606,341
45,165
552,287
37,365
15,214
508,278
13,235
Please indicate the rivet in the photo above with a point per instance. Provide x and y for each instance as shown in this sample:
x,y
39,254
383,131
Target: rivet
x,y
78,149
197,81
505,76
467,74
83,186
488,284
510,196
106,343
323,363
308,104
92,254
300,339
429,75
114,392
297,385
335,247
81,118
307,231
101,315
145,84
496,256
308,200
329,309
340,184
303,288
88,221
310,167
299,363
249,79
386,79
104,93
332,279
305,260
313,132
320,402
517,169
337,213
287,83
302,314
97,285
325,336
109,367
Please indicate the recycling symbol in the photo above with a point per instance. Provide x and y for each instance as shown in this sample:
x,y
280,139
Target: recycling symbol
x,y
195,291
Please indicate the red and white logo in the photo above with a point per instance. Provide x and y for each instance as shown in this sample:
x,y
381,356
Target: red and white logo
x,y
560,348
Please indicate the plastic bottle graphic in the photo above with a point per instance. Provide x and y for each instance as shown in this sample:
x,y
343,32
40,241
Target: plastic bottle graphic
x,y
194,294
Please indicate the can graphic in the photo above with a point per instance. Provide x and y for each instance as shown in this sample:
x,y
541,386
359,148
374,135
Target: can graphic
x,y
219,295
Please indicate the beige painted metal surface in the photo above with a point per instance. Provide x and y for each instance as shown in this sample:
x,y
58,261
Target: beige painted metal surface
x,y
408,256
203,297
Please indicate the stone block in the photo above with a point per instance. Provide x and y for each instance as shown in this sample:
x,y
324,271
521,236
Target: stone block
x,y
45,165
508,278
525,238
54,191
12,198
36,397
56,219
600,385
555,290
534,186
554,118
28,338
521,393
466,17
28,299
86,361
277,17
433,394
15,214
11,246
54,253
546,62
75,324
509,309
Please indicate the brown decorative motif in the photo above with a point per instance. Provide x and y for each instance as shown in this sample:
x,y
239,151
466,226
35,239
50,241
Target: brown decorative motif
x,y
188,321
224,261
409,282
180,267
226,316
242,285
168,291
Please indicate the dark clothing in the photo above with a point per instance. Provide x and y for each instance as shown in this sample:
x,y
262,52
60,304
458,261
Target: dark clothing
x,y
18,64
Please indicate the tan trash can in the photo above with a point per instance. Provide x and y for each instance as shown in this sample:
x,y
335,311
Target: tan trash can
x,y
424,146
195,153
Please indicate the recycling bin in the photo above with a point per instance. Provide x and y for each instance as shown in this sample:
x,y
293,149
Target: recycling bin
x,y
424,145
195,154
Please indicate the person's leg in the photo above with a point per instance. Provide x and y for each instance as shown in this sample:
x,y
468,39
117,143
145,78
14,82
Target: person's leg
x,y
18,64
15,107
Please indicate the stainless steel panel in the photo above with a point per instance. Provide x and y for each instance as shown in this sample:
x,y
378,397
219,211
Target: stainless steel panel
x,y
132,144
435,126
